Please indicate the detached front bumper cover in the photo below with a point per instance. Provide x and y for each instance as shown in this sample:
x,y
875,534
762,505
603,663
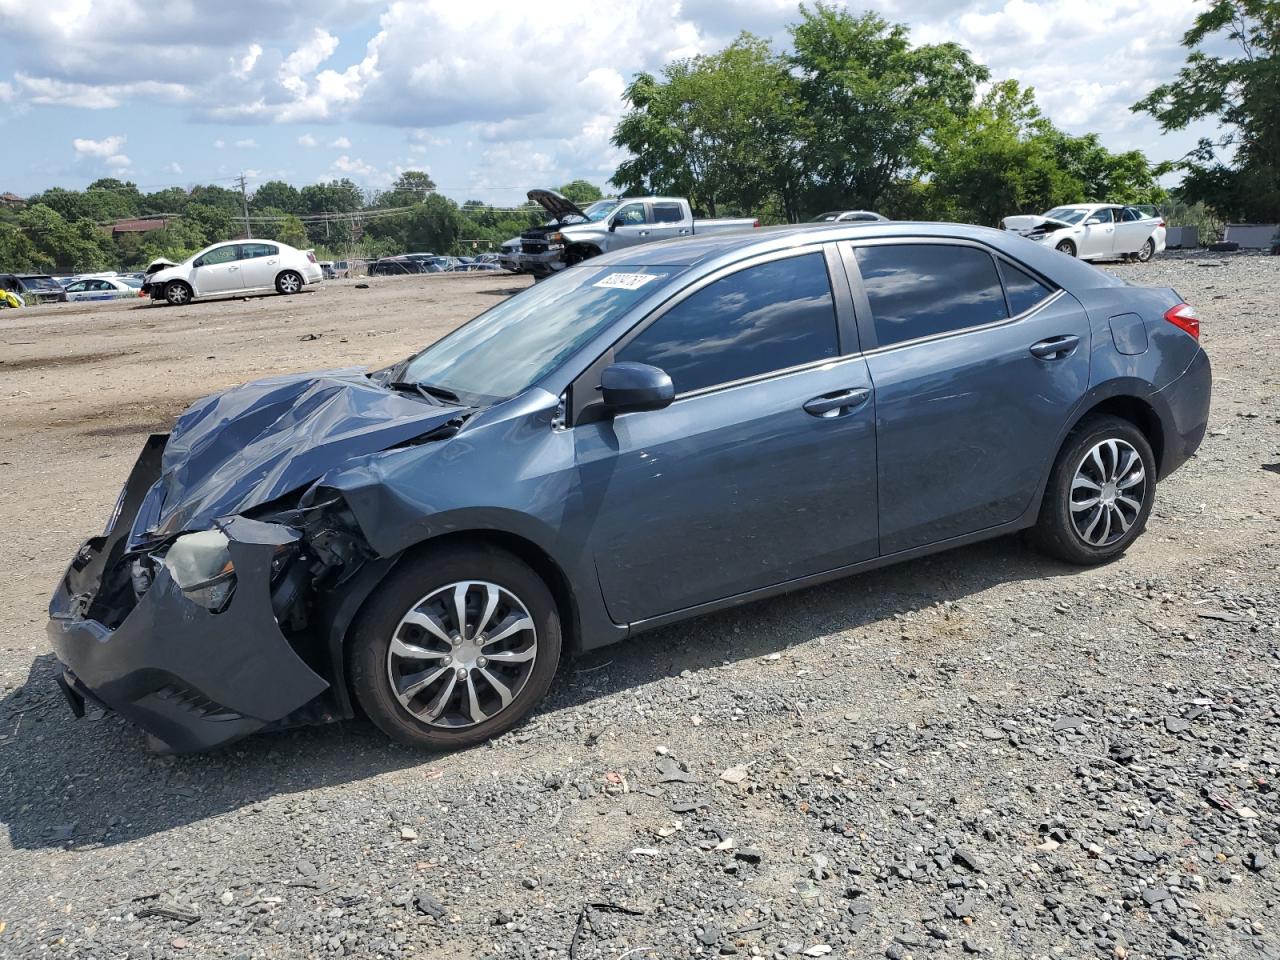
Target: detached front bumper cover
x,y
191,678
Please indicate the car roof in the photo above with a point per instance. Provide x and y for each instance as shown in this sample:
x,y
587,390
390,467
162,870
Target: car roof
x,y
713,250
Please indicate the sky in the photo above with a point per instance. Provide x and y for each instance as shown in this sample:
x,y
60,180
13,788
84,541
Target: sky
x,y
490,99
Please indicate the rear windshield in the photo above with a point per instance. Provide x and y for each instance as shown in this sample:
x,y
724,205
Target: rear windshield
x,y
40,283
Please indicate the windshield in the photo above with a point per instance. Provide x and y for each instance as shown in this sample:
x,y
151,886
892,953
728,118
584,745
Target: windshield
x,y
1067,214
826,217
600,209
508,348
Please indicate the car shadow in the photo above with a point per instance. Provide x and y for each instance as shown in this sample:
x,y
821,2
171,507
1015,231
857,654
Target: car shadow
x,y
92,783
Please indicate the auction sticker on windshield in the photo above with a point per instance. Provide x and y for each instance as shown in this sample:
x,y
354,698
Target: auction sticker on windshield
x,y
628,281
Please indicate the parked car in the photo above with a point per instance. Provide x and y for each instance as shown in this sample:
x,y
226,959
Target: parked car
x,y
233,269
662,432
342,268
477,267
575,236
1094,231
485,258
326,270
848,216
102,288
33,287
399,266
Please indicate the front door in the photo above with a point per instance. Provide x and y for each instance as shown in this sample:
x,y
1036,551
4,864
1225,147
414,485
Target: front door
x,y
218,271
1099,235
977,367
761,471
631,225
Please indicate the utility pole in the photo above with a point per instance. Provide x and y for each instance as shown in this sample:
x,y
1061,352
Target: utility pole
x,y
244,199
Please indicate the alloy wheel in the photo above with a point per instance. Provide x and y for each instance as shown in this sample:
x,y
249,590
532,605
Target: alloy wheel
x,y
462,654
1148,251
289,283
1107,492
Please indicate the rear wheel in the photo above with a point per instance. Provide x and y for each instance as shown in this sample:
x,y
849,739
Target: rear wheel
x,y
177,293
290,281
457,646
1067,247
1099,494
1148,250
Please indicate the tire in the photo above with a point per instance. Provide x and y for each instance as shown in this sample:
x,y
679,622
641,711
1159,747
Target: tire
x,y
1067,247
289,281
177,293
1070,527
575,255
1148,250
439,715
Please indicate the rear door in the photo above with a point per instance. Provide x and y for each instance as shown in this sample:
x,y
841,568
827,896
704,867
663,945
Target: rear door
x,y
762,470
1131,230
669,220
218,271
977,364
259,264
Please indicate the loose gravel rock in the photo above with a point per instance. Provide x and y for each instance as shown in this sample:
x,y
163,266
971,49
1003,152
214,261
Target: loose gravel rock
x,y
979,753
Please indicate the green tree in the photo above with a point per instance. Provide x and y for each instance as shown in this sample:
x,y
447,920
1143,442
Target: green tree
x,y
278,195
1239,172
292,232
336,196
581,192
412,186
433,225
169,200
875,102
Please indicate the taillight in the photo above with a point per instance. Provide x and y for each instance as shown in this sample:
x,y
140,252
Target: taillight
x,y
755,224
1160,224
1185,318
311,257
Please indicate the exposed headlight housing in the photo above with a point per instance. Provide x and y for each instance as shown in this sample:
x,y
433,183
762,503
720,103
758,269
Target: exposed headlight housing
x,y
556,237
200,564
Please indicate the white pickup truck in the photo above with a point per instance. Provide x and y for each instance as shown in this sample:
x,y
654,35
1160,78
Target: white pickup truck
x,y
575,235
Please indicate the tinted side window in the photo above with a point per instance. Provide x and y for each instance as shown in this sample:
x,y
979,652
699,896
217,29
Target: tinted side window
x,y
249,251
1023,290
762,318
918,290
667,213
631,214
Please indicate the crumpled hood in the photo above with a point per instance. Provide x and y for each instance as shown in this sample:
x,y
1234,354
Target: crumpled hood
x,y
251,444
1029,224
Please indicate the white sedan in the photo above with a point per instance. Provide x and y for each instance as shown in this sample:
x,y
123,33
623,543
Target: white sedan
x,y
232,269
101,288
1094,231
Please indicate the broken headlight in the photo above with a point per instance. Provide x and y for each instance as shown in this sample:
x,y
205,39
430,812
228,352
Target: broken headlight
x,y
201,566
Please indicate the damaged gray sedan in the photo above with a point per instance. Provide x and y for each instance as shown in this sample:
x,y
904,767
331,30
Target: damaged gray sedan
x,y
654,434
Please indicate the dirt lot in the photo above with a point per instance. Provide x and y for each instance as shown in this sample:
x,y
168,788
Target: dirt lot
x,y
981,752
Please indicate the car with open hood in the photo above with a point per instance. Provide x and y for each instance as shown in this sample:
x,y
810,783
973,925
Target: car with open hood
x,y
658,433
575,235
1095,231
33,287
234,269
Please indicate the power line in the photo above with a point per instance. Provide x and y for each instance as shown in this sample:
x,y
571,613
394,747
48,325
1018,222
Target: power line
x,y
244,199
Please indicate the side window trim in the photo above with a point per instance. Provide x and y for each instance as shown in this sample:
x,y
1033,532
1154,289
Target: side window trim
x,y
862,304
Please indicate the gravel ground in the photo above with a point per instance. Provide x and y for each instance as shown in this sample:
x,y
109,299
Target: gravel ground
x,y
983,752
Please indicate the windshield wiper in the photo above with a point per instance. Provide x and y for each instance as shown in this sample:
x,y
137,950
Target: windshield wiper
x,y
428,391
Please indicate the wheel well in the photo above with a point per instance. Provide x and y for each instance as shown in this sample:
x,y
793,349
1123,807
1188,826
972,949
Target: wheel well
x,y
1140,414
587,249
537,559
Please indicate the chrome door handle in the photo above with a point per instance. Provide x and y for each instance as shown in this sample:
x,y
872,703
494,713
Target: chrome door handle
x,y
232,269
830,404
1055,348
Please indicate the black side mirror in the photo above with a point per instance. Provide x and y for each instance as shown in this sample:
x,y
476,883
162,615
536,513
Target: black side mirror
x,y
626,387
613,224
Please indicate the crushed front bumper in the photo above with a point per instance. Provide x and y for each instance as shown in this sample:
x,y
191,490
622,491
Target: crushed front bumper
x,y
191,678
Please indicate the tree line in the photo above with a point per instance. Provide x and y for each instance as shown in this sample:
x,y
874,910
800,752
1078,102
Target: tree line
x,y
854,116
68,231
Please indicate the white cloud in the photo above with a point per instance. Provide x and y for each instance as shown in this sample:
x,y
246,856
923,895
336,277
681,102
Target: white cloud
x,y
106,150
341,143
219,144
307,140
242,66
174,168
247,144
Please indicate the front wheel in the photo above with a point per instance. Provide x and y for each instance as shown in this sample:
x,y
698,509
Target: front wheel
x,y
457,646
1148,250
288,282
1067,247
1099,494
177,293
